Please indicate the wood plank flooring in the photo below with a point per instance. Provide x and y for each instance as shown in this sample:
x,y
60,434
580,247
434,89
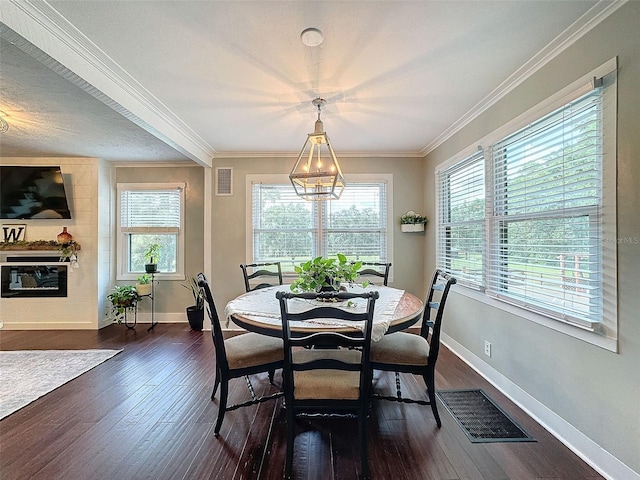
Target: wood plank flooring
x,y
146,414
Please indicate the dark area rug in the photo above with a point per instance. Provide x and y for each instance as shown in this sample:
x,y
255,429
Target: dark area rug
x,y
481,418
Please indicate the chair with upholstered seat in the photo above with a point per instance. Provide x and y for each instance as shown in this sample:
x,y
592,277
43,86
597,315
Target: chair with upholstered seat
x,y
404,352
239,356
264,273
375,269
327,372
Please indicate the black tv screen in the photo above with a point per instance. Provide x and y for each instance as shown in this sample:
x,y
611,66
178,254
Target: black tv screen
x,y
32,192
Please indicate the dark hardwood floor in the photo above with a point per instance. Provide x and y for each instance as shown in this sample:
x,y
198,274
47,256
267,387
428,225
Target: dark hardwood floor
x,y
146,413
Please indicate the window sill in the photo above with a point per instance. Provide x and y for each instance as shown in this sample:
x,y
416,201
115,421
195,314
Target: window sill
x,y
157,276
593,338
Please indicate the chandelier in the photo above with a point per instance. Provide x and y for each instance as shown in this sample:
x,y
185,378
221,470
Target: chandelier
x,y
316,174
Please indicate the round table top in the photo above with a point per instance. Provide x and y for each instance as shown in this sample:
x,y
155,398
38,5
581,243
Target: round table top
x,y
407,311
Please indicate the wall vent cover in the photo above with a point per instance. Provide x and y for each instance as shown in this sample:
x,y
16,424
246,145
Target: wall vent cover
x,y
224,181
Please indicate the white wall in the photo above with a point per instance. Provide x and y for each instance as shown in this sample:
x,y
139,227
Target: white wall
x,y
78,310
589,394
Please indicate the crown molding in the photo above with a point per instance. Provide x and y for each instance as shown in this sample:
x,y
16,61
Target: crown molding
x,y
340,155
156,164
64,48
594,16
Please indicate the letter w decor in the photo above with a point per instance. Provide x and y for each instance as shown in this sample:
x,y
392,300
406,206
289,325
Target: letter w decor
x,y
13,233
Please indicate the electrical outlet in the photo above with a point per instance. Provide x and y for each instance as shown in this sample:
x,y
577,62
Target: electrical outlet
x,y
487,348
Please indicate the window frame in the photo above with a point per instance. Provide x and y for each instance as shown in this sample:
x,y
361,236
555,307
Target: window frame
x,y
283,179
122,243
603,334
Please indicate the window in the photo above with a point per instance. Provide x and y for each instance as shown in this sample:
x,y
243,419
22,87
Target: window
x,y
291,230
544,249
147,214
529,220
461,220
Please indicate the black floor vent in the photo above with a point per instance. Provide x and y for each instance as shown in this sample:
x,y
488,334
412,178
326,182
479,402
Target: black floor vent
x,y
481,418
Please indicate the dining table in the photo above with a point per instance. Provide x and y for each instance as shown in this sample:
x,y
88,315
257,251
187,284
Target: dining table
x,y
259,311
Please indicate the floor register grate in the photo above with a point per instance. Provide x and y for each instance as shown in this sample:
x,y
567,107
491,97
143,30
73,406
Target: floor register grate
x,y
481,418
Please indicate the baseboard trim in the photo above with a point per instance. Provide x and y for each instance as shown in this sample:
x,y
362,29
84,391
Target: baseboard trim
x,y
593,454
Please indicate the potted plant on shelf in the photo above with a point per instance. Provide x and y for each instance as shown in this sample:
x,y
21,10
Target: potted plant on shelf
x,y
325,274
151,254
122,297
143,287
412,222
195,313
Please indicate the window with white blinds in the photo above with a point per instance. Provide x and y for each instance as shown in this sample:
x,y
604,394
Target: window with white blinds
x,y
530,221
461,217
291,230
148,214
545,249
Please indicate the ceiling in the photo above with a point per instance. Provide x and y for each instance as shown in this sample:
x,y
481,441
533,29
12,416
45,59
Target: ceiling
x,y
193,80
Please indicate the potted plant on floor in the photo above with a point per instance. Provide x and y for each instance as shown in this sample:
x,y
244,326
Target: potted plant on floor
x,y
195,313
325,274
143,287
122,297
151,254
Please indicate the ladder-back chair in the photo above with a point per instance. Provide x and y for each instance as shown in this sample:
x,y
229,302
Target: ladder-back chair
x,y
239,356
403,352
327,372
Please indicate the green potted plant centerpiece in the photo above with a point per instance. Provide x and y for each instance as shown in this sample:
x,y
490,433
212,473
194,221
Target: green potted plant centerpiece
x,y
151,254
122,297
195,313
325,274
412,222
143,287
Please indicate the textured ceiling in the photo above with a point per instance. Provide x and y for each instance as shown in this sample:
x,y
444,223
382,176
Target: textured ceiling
x,y
175,80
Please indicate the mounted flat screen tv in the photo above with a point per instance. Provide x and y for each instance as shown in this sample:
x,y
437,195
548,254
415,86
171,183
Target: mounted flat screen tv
x,y
32,192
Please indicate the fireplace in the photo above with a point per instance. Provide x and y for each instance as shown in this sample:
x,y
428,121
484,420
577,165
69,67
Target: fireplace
x,y
33,277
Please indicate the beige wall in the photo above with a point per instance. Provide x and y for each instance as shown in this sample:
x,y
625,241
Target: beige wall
x,y
596,391
171,299
228,230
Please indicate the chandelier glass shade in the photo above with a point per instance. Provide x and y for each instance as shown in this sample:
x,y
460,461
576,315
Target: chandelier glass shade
x,y
316,174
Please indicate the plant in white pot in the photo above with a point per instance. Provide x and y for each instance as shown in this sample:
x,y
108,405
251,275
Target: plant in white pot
x,y
412,222
143,287
195,313
122,298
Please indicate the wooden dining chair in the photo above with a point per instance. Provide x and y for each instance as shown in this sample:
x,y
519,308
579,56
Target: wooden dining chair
x,y
239,356
265,274
326,372
376,269
403,352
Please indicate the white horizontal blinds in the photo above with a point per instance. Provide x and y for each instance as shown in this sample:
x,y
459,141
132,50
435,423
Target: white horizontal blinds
x,y
461,214
150,211
545,251
356,224
284,225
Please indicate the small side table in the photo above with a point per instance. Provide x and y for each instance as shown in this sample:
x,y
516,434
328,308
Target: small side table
x,y
150,296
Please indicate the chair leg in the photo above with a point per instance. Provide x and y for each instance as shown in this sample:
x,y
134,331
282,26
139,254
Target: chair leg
x,y
364,452
272,372
216,382
222,407
398,388
431,391
290,440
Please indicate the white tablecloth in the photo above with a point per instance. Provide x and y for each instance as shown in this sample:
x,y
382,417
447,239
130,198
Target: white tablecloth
x,y
263,306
